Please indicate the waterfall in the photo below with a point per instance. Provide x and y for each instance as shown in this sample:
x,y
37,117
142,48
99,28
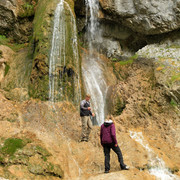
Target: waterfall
x,y
64,70
94,80
158,167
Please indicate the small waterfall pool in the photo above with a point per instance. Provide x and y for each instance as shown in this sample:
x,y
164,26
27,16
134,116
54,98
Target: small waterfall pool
x,y
158,166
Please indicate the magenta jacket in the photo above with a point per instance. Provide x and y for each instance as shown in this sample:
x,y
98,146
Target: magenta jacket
x,y
108,133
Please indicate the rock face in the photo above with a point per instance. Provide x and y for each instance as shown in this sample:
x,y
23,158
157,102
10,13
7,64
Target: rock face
x,y
142,97
167,67
6,55
8,13
65,73
16,19
146,17
50,137
16,73
134,24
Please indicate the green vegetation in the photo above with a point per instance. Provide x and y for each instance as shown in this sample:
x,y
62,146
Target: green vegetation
x,y
1,54
1,160
50,167
114,59
42,151
7,67
7,42
173,46
44,158
115,71
11,120
120,105
27,10
11,145
9,156
43,23
2,38
125,62
39,86
130,61
118,66
173,103
175,78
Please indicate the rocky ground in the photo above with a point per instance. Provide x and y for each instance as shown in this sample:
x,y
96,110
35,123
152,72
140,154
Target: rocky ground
x,y
49,133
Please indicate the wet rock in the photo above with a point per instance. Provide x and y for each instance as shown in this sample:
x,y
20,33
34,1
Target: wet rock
x,y
111,47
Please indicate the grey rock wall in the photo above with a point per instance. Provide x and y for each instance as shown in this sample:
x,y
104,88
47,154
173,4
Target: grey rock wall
x,y
145,16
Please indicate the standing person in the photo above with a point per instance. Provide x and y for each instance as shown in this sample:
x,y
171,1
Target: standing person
x,y
85,112
108,141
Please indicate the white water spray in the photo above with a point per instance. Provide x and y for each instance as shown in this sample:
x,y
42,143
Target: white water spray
x,y
63,40
158,167
92,64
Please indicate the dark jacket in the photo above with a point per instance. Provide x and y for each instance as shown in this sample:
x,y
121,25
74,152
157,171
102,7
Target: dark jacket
x,y
108,133
84,108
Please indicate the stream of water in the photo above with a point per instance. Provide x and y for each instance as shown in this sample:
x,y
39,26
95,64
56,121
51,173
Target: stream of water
x,y
158,166
94,80
63,41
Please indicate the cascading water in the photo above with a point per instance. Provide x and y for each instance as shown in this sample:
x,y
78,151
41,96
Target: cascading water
x,y
158,167
92,64
64,63
64,70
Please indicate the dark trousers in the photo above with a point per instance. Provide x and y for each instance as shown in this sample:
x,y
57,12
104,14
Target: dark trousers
x,y
107,149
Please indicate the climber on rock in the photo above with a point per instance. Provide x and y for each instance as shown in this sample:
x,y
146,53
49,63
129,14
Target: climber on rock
x,y
108,141
85,113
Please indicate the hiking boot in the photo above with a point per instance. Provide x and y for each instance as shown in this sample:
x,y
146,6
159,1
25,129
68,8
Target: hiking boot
x,y
125,167
106,171
81,140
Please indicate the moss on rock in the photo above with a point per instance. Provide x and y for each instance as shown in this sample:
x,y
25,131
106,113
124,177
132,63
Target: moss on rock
x,y
24,153
27,9
11,145
43,26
